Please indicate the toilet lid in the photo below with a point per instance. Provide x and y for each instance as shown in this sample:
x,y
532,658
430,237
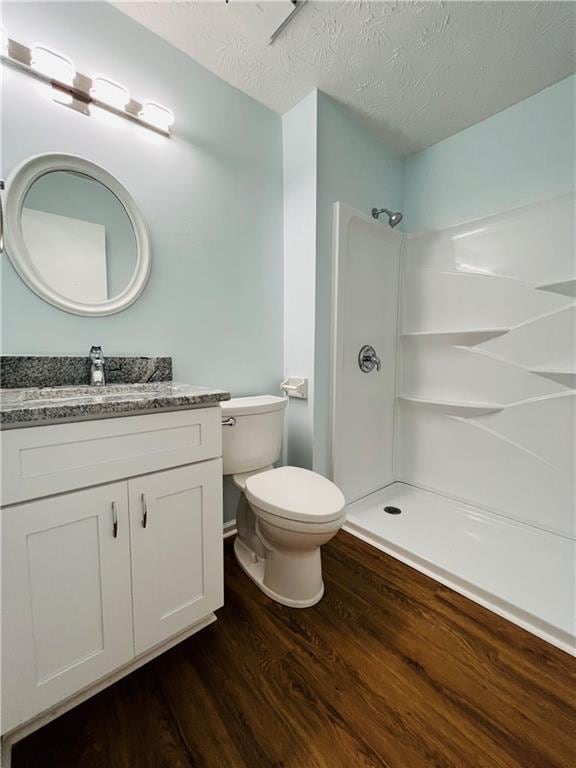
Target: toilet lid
x,y
296,494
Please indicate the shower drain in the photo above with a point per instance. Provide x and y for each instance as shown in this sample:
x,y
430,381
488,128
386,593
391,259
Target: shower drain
x,y
393,510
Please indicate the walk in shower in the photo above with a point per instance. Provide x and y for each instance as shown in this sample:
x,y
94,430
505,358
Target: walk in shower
x,y
467,429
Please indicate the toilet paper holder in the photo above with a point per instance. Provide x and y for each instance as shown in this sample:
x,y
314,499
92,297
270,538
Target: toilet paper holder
x,y
295,387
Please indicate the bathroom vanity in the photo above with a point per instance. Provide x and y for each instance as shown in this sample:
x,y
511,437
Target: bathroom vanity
x,y
111,536
111,503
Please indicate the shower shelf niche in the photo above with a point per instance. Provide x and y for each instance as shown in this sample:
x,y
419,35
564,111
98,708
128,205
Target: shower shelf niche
x,y
461,338
455,407
562,376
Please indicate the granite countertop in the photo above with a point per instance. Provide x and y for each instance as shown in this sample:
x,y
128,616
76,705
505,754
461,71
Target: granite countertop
x,y
36,406
74,371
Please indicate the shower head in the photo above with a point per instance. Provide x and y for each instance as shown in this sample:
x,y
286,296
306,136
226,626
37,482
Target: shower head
x,y
393,218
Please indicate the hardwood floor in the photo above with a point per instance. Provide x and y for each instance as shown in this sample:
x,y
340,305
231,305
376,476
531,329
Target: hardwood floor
x,y
389,669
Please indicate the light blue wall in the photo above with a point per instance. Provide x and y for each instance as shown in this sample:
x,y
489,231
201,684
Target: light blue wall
x,y
355,167
211,195
299,128
519,156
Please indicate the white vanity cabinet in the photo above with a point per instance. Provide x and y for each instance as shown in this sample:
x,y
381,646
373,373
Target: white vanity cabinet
x,y
176,540
66,604
96,580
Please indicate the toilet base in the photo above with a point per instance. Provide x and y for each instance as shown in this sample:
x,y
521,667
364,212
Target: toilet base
x,y
254,566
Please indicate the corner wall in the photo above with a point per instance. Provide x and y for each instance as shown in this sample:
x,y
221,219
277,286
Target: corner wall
x,y
354,167
329,156
299,130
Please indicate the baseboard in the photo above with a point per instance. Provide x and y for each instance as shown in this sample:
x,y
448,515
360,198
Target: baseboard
x,y
230,529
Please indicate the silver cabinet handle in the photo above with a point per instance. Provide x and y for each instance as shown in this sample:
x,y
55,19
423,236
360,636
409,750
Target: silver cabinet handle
x,y
115,519
230,422
144,510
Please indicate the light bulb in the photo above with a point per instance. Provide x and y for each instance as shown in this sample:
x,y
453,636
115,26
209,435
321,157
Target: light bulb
x,y
53,64
109,92
156,115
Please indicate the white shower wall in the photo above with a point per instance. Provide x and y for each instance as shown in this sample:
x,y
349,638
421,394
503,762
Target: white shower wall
x,y
365,310
487,364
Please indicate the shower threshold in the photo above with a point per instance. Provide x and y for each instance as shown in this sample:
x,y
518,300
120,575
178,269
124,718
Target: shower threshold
x,y
518,571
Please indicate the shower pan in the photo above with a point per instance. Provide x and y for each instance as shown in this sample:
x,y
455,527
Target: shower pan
x,y
453,403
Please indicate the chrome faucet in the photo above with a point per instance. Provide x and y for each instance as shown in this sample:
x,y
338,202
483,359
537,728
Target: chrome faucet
x,y
97,375
368,359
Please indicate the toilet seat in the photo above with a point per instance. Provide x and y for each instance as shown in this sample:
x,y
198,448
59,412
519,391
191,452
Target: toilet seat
x,y
240,477
297,526
295,495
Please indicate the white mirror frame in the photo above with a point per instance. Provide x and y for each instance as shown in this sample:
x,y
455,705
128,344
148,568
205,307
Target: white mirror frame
x,y
17,187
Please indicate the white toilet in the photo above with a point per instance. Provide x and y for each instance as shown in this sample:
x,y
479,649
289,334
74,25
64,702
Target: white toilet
x,y
284,515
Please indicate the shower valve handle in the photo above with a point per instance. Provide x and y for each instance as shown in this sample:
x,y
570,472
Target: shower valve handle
x,y
368,359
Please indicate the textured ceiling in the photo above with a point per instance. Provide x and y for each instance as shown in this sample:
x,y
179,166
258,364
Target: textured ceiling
x,y
419,71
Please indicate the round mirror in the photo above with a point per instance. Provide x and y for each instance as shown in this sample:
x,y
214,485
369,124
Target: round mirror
x,y
75,236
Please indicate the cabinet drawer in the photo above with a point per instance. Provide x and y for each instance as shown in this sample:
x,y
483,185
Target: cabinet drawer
x,y
40,461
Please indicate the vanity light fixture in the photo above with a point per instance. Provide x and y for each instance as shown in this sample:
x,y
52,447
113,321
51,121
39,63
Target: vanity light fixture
x,y
77,91
109,92
155,114
54,65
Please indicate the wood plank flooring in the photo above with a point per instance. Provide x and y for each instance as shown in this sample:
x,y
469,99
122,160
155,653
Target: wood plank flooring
x,y
390,669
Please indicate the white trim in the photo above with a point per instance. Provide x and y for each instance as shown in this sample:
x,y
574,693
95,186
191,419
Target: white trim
x,y
335,295
462,587
230,529
18,185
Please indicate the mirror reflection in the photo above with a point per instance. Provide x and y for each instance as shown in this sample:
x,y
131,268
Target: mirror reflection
x,y
79,237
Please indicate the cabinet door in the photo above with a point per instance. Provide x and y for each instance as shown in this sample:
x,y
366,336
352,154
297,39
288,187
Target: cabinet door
x,y
66,584
176,535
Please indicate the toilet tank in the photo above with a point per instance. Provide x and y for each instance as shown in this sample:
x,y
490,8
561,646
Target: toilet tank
x,y
254,439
